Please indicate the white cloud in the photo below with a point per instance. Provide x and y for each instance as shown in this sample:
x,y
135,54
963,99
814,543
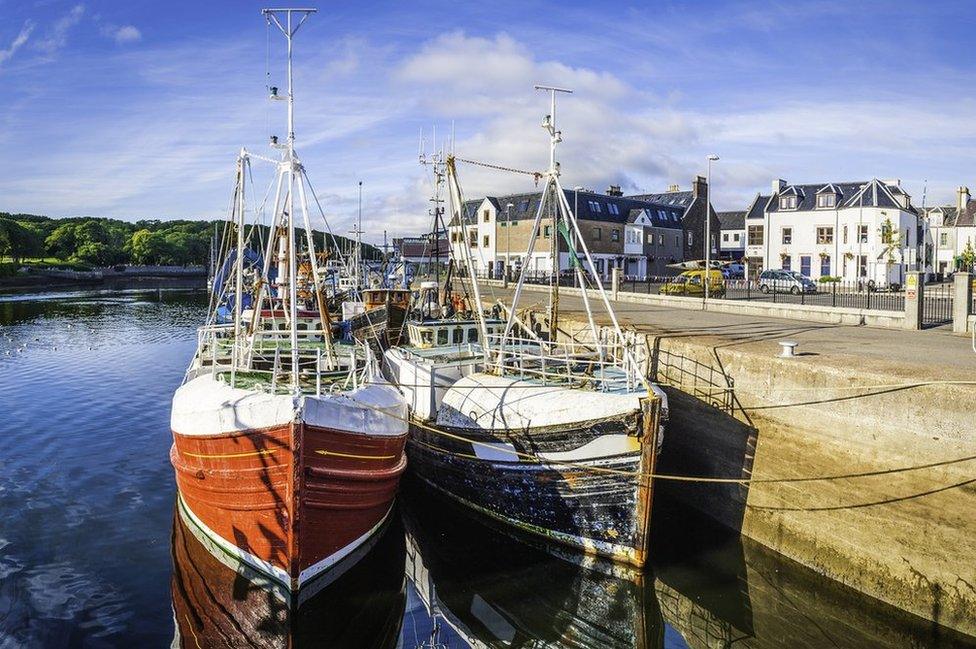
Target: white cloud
x,y
18,42
57,37
125,34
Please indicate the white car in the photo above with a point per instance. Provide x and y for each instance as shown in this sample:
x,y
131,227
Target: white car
x,y
783,281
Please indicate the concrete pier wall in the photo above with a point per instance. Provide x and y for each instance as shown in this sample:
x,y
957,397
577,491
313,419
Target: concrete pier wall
x,y
905,537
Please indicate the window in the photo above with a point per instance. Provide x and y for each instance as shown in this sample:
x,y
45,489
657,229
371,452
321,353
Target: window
x,y
597,234
660,239
845,234
738,237
612,208
595,207
805,265
787,236
725,237
614,234
691,239
523,205
457,336
442,336
826,200
485,244
486,216
824,265
454,237
787,202
599,266
473,239
944,239
755,235
825,235
862,234
547,231
473,335
862,265
787,262
677,240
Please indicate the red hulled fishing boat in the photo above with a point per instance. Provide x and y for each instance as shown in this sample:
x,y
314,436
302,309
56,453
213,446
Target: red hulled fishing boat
x,y
288,444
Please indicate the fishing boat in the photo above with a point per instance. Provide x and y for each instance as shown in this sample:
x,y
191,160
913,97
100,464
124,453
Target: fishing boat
x,y
288,443
554,437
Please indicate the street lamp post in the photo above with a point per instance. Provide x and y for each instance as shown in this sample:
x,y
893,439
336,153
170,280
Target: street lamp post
x,y
708,221
508,243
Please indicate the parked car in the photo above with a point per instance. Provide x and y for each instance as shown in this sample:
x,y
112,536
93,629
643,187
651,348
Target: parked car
x,y
735,271
690,283
783,281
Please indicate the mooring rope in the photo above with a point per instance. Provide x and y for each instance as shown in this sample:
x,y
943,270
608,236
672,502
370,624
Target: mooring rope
x,y
639,474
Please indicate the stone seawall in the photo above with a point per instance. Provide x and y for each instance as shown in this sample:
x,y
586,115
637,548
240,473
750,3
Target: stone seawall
x,y
903,537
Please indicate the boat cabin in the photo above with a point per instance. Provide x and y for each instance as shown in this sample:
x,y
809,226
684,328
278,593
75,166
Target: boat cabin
x,y
441,333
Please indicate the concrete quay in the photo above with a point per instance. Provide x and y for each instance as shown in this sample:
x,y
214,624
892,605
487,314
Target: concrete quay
x,y
904,537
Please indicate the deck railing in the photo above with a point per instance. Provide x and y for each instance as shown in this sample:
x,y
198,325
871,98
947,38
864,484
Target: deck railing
x,y
605,366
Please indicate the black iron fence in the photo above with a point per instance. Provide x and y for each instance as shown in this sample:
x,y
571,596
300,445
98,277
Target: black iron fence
x,y
937,305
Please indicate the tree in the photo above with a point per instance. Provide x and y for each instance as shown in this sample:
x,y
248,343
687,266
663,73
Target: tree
x,y
968,257
19,241
95,253
147,247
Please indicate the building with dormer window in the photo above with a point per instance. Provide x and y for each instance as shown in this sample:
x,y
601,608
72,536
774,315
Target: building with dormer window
x,y
852,230
640,235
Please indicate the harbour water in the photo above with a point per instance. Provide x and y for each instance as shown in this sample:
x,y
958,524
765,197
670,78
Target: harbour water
x,y
93,551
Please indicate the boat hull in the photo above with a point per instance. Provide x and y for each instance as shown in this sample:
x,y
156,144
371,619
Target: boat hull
x,y
294,498
595,502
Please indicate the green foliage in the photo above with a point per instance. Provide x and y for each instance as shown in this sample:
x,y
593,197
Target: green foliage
x,y
106,242
829,279
968,257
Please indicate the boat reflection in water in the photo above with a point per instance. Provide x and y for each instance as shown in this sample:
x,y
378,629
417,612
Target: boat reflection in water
x,y
486,589
221,602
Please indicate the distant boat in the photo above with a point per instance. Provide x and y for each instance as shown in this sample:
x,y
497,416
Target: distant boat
x,y
288,444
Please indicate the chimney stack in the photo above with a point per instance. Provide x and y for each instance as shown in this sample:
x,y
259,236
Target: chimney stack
x,y
614,190
674,187
962,198
778,185
698,186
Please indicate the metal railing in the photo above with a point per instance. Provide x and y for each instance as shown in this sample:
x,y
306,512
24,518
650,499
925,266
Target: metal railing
x,y
605,366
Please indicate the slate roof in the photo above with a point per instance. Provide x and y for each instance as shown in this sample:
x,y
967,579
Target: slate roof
x,y
967,218
732,220
590,206
671,199
872,193
949,214
758,207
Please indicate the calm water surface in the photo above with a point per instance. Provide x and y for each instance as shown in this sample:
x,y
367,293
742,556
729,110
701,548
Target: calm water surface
x,y
91,553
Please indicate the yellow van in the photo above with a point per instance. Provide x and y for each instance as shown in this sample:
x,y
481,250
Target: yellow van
x,y
690,283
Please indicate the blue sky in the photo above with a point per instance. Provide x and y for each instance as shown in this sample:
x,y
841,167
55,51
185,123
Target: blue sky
x,y
137,109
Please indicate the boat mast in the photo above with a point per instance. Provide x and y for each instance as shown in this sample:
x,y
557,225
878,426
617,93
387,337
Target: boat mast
x,y
292,164
555,137
239,261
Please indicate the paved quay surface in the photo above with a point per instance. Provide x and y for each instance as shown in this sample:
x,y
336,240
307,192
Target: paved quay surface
x,y
931,354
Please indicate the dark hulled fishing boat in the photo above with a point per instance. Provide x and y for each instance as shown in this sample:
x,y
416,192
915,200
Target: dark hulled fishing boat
x,y
555,438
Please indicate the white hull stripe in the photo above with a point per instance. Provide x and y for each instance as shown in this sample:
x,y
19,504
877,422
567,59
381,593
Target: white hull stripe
x,y
274,572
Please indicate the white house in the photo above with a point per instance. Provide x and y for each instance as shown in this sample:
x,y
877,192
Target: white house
x,y
732,235
480,217
849,230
